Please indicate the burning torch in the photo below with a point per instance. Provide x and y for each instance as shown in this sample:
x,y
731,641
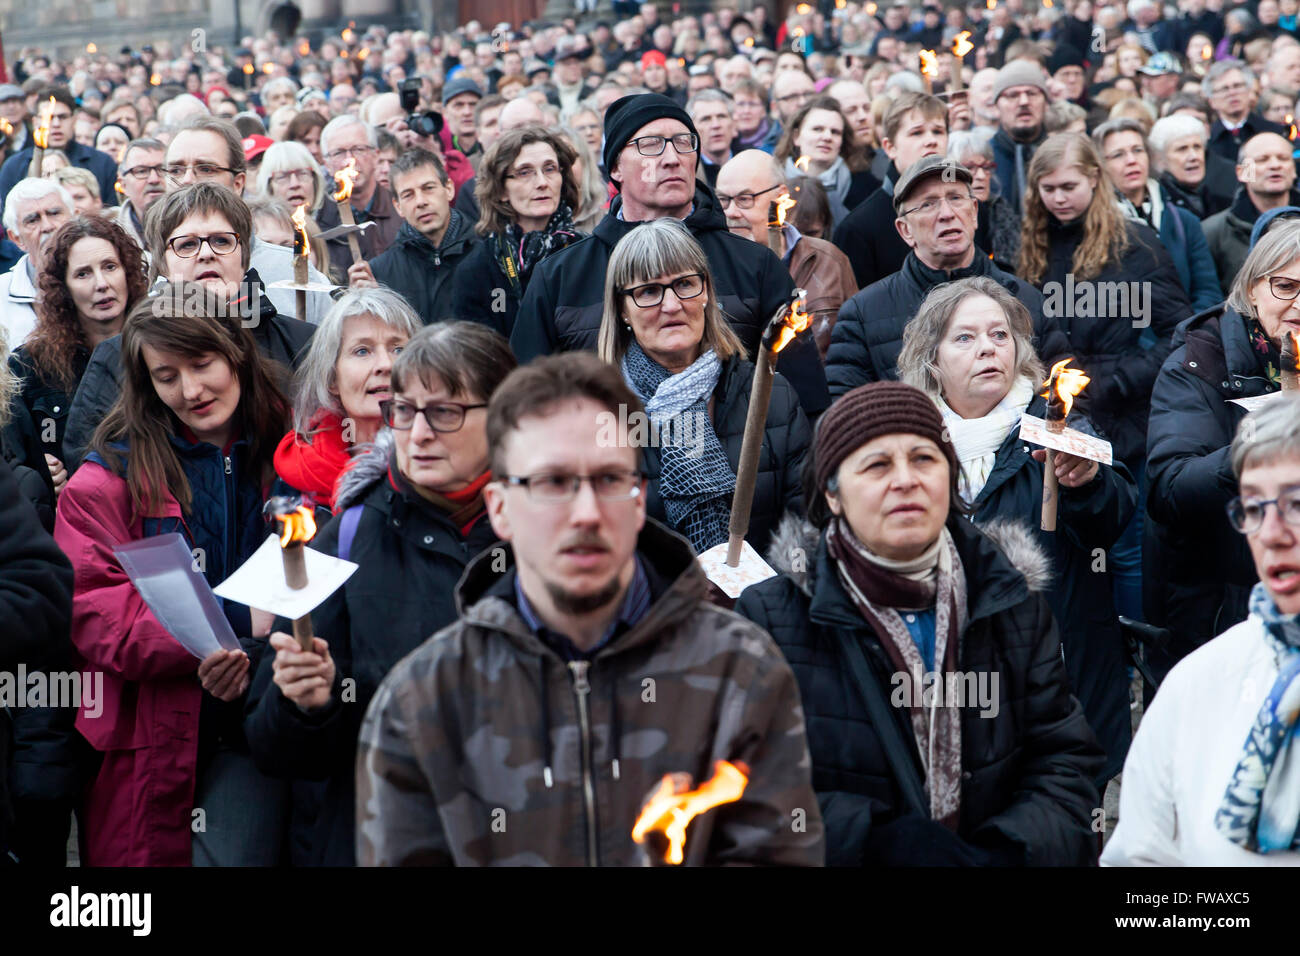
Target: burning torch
x,y
1061,388
960,47
672,806
41,139
776,223
1290,362
297,527
300,261
344,179
788,322
929,69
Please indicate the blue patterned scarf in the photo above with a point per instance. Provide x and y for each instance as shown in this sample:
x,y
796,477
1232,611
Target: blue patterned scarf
x,y
695,478
1261,807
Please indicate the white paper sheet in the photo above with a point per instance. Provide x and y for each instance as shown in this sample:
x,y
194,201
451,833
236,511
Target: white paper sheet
x,y
1034,430
751,570
309,287
1256,401
260,582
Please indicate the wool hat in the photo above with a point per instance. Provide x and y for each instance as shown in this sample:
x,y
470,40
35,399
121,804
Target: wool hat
x,y
1019,73
1065,55
461,84
869,411
629,113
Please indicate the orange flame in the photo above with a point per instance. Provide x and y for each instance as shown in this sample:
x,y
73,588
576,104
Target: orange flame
x,y
1067,382
803,9
348,36
749,41
871,9
298,526
363,53
249,69
840,4
155,79
6,127
268,67
1289,123
91,48
670,811
304,48
1047,4
299,219
991,4
344,179
796,321
962,45
1207,51
784,205
802,163
929,64
41,132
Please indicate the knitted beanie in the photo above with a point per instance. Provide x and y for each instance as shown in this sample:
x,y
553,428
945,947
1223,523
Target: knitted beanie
x,y
1019,73
628,114
869,411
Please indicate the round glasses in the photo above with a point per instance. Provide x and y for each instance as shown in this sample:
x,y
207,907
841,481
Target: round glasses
x,y
441,417
187,247
743,200
650,294
1247,514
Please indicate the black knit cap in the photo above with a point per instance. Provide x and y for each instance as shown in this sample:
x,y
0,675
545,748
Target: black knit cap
x,y
628,114
869,411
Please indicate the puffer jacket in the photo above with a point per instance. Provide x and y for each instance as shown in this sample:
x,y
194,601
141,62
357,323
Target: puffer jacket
x,y
565,301
1198,570
369,625
1027,794
483,747
279,337
786,439
868,336
422,273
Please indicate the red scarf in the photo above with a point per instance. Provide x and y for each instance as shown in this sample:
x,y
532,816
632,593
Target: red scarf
x,y
314,468
463,507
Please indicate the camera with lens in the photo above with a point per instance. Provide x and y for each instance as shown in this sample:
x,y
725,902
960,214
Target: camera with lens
x,y
428,123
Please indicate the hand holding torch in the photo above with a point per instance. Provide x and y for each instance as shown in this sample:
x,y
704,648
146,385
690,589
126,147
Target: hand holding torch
x,y
1062,385
344,179
298,526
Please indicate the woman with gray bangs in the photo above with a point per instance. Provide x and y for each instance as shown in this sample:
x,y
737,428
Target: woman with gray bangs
x,y
339,387
664,328
1211,779
997,226
289,172
970,349
1201,570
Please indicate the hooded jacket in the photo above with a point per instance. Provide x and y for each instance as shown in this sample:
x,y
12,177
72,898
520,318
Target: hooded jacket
x,y
1027,795
423,272
565,301
484,723
409,557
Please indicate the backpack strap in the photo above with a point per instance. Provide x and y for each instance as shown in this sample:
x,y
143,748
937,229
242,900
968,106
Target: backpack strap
x,y
348,530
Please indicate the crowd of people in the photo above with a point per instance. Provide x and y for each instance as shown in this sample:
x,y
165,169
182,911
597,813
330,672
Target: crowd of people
x,y
520,243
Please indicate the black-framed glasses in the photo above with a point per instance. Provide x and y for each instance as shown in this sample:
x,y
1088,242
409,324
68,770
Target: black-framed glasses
x,y
650,294
559,488
338,155
743,200
930,207
1284,287
655,145
440,416
176,172
187,247
1247,514
144,172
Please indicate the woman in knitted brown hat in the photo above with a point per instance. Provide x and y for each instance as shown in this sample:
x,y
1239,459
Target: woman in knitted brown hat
x,y
940,719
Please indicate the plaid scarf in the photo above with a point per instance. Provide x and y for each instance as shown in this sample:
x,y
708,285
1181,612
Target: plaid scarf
x,y
1261,807
518,252
695,478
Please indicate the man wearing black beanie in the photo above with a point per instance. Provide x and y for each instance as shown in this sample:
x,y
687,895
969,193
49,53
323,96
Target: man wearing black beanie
x,y
651,152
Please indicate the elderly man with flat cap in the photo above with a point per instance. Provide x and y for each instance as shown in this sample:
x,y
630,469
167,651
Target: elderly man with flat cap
x,y
651,153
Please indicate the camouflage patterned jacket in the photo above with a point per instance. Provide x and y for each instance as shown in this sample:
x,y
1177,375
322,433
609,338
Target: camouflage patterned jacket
x,y
483,746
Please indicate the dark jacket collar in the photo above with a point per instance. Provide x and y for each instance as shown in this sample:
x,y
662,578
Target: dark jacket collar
x,y
927,278
1242,208
705,217
455,240
1218,351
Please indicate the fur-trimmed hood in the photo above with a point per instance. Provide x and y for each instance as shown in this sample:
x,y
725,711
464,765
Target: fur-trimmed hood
x,y
796,536
369,464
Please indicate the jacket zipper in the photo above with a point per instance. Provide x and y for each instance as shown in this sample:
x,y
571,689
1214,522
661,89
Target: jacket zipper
x,y
232,515
581,690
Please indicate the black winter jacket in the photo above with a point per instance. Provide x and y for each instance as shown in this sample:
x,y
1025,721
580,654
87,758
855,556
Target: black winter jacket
x,y
1027,792
1120,355
1198,570
1078,589
481,292
786,440
410,558
562,309
422,273
279,337
869,237
44,401
868,335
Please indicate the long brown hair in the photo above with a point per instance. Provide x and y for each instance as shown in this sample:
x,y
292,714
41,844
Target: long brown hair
x,y
189,319
850,150
495,210
58,335
1105,232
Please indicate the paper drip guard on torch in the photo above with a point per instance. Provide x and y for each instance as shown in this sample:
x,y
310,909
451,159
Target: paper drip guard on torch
x,y
344,179
1062,385
298,526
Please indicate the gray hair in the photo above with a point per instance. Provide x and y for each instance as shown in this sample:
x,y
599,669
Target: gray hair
x,y
658,248
290,155
1267,435
277,84
591,190
1224,67
905,80
142,143
918,363
970,142
180,107
316,376
1174,127
342,122
1124,124
31,189
711,95
468,358
1278,247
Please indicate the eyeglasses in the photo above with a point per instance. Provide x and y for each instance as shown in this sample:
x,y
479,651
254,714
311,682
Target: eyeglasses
x,y
1230,88
930,207
801,98
176,172
143,172
655,145
187,247
557,489
526,173
976,168
441,417
1134,151
650,294
1031,94
1284,287
743,200
341,154
1247,514
291,175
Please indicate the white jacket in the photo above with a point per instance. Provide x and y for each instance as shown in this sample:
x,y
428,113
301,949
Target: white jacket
x,y
17,304
1185,752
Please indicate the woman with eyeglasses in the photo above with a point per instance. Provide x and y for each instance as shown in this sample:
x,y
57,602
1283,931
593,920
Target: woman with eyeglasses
x,y
1210,779
290,173
410,514
527,195
186,450
820,134
997,226
663,326
1200,569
